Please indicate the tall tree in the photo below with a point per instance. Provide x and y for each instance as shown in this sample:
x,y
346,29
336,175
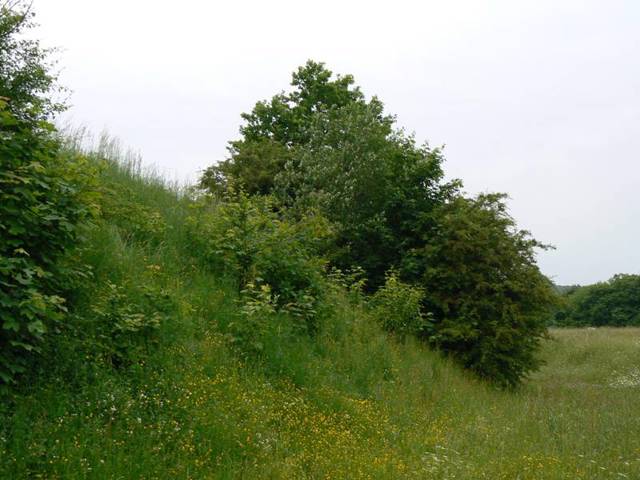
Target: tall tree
x,y
372,181
324,147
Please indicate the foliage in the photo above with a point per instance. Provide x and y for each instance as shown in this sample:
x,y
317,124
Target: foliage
x,y
253,165
323,146
135,220
124,331
390,207
26,79
398,307
273,129
353,281
613,303
256,314
487,296
375,184
46,196
246,238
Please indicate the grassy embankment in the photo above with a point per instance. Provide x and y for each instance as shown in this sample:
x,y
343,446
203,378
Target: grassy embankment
x,y
350,403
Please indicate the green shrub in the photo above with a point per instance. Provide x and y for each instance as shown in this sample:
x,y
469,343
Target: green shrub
x,y
398,307
258,309
46,195
124,323
247,239
488,298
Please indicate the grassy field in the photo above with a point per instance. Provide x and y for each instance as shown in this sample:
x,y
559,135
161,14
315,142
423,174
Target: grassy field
x,y
350,403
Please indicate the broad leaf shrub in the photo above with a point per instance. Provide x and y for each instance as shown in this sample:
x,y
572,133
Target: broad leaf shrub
x,y
46,196
249,240
126,322
398,307
258,310
352,281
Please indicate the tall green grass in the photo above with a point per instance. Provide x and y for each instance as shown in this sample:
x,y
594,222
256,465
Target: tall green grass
x,y
352,402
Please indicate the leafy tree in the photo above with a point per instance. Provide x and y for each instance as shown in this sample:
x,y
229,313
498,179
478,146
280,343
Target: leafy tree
x,y
26,80
324,147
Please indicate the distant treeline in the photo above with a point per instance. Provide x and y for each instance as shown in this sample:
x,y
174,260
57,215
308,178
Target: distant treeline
x,y
615,302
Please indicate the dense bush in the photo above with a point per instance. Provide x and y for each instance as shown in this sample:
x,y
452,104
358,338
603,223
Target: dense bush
x,y
398,307
613,303
124,322
488,298
247,239
45,197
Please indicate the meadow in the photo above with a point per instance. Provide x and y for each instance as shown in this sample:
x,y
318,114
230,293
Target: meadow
x,y
350,402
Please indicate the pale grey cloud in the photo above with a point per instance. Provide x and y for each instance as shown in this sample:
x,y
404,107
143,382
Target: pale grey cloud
x,y
540,99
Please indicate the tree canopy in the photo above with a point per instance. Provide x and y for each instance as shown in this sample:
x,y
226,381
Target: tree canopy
x,y
274,128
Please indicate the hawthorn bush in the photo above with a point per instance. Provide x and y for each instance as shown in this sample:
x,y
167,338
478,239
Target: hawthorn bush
x,y
489,301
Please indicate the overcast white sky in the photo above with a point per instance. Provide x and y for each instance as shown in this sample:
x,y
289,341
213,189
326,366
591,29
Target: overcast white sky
x,y
539,99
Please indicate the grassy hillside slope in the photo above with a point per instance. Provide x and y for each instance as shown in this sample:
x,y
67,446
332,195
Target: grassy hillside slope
x,y
349,403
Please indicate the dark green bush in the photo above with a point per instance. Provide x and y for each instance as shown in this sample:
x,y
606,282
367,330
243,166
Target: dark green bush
x,y
488,298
